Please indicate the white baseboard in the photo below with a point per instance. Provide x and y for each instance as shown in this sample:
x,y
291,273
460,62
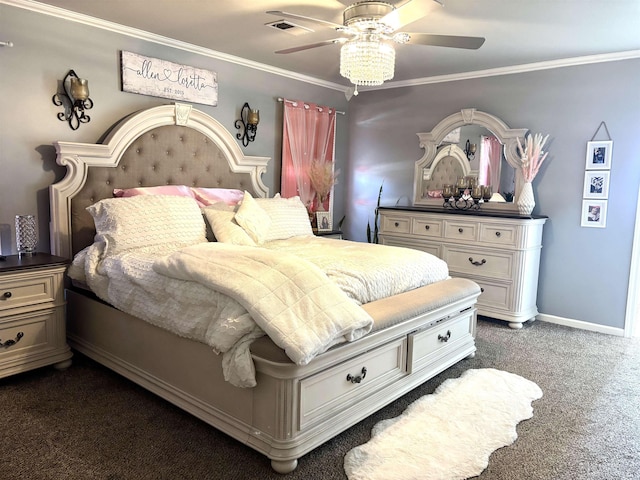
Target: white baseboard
x,y
579,324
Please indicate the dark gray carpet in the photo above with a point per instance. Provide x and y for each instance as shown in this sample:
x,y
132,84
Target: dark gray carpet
x,y
89,423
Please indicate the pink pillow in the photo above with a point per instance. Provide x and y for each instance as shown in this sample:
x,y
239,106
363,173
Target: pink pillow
x,y
209,196
179,190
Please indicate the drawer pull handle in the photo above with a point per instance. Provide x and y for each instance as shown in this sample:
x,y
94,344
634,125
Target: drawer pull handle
x,y
359,378
7,295
396,224
460,230
445,338
477,264
426,227
10,343
498,234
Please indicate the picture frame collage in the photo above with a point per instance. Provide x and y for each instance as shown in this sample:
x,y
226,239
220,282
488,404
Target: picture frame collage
x,y
595,193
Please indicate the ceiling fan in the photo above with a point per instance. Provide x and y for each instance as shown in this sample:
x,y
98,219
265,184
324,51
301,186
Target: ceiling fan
x,y
369,32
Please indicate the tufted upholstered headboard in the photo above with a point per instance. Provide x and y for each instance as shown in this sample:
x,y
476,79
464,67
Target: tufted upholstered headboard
x,y
166,145
449,164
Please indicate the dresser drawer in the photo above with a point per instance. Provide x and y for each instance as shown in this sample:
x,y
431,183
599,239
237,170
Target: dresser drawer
x,y
427,227
331,391
494,295
471,261
505,235
26,290
426,345
395,224
460,230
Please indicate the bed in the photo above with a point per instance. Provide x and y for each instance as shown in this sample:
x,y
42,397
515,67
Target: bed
x,y
293,406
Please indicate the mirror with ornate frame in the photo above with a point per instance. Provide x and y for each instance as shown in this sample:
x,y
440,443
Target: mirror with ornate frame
x,y
449,154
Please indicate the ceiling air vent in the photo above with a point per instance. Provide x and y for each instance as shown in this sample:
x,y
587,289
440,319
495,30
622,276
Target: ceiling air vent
x,y
289,27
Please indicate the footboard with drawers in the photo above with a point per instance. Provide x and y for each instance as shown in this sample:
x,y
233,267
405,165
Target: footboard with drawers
x,y
501,253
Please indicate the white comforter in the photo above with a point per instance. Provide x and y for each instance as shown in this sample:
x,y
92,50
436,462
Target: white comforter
x,y
197,309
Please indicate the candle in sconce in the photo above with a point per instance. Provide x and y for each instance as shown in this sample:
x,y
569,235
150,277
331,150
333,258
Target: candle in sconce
x,y
477,192
487,192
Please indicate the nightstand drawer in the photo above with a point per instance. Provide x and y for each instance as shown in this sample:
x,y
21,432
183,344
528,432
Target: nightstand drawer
x,y
22,334
26,290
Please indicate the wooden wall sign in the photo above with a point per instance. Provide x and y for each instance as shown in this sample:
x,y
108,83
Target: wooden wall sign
x,y
161,78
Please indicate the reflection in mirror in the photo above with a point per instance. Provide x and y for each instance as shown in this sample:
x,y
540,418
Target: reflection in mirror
x,y
485,154
469,144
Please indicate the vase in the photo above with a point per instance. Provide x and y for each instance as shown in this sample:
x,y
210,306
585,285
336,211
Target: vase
x,y
526,200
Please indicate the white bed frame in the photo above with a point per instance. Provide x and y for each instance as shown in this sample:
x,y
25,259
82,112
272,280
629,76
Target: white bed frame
x,y
293,409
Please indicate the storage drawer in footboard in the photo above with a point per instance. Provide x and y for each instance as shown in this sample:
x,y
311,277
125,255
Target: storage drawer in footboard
x,y
446,338
329,392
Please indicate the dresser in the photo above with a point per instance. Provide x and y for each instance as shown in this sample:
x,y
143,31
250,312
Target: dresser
x,y
32,313
499,251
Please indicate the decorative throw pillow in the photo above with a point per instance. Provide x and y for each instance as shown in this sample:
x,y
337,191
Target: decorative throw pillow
x,y
289,217
253,218
147,220
179,190
224,226
209,196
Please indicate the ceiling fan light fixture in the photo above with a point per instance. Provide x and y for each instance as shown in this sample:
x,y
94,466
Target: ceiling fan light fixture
x,y
367,61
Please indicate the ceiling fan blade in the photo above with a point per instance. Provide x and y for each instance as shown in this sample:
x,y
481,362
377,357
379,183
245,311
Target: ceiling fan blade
x,y
312,45
471,43
295,16
410,12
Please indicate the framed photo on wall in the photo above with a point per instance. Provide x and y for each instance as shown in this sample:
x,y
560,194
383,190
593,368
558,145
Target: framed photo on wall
x,y
599,155
596,184
594,213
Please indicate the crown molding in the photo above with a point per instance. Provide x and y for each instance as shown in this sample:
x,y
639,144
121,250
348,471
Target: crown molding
x,y
524,68
166,41
207,52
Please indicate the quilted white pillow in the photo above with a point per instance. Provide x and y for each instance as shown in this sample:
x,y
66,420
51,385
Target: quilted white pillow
x,y
253,218
224,226
289,218
147,220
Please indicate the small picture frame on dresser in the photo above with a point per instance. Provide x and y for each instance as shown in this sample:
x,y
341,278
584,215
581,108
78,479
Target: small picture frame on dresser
x,y
594,213
323,220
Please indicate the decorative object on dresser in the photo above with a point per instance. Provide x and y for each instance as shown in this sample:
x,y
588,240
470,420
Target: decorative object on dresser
x,y
247,124
500,252
75,99
450,434
26,234
496,163
32,313
531,156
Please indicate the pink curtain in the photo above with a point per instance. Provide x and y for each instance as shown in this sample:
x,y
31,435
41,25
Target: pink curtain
x,y
490,158
308,135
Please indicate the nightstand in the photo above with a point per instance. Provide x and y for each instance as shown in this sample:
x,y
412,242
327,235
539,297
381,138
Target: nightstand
x,y
32,313
337,234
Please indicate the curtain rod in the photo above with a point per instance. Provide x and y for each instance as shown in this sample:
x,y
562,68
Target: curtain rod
x,y
280,99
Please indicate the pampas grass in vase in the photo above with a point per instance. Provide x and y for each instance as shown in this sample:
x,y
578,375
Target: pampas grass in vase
x,y
323,178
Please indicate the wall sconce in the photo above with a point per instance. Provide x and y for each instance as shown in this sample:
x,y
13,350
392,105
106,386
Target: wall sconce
x,y
470,150
247,124
75,100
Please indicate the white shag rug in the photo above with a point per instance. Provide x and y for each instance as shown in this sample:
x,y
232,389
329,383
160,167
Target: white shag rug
x,y
450,434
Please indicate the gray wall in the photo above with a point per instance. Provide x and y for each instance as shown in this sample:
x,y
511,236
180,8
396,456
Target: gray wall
x,y
46,48
584,271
